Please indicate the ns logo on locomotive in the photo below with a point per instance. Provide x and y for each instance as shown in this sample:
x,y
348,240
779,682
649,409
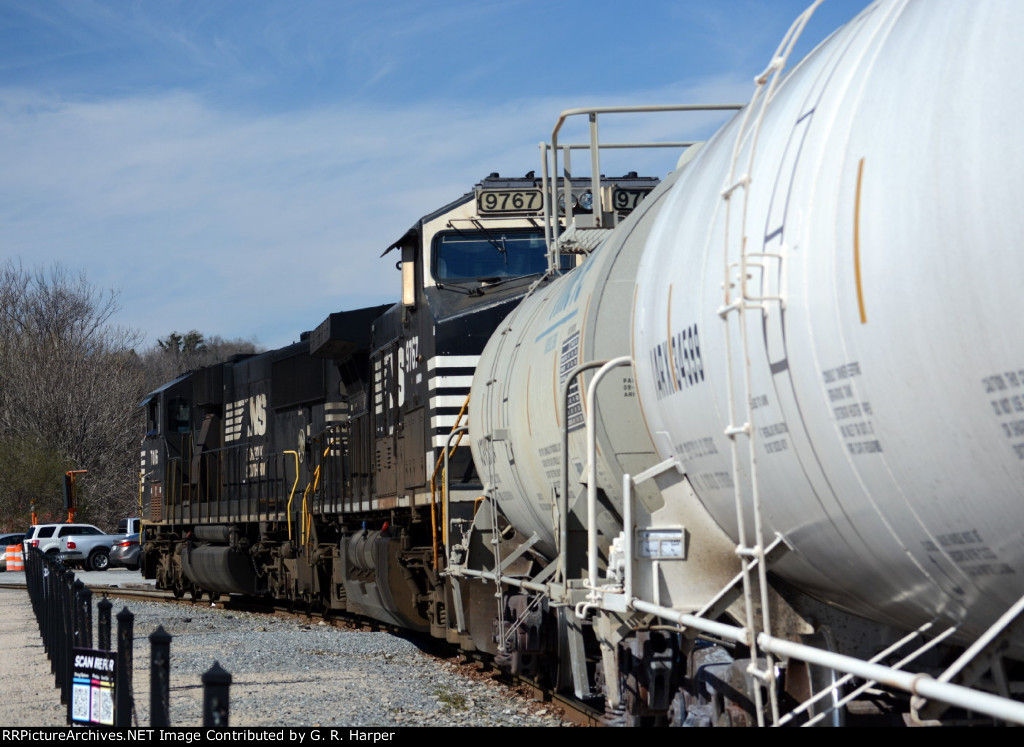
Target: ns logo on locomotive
x,y
717,464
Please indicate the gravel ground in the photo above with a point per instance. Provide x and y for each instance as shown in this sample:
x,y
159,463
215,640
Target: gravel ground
x,y
287,672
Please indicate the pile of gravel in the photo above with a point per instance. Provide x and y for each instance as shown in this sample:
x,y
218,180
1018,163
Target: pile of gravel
x,y
287,672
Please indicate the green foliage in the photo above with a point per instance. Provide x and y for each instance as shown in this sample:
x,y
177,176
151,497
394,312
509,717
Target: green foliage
x,y
31,473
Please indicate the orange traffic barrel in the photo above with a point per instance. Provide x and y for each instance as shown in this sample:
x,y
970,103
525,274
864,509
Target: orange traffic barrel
x,y
15,560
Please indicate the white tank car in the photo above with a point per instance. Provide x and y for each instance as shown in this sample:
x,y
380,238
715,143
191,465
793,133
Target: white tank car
x,y
518,419
854,309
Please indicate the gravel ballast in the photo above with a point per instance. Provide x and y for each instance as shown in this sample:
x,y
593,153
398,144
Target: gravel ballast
x,y
291,672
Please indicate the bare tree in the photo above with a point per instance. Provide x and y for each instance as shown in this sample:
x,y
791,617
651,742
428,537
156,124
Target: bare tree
x,y
70,383
177,354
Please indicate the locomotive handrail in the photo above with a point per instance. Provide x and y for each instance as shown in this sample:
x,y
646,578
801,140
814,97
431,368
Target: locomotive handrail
x,y
443,460
291,495
460,431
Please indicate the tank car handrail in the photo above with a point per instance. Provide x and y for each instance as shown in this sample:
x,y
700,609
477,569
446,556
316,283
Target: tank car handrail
x,y
868,684
919,684
563,499
550,183
591,403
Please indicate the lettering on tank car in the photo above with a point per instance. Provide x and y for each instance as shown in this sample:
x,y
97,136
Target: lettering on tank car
x,y
696,449
677,362
551,460
1006,398
856,427
757,401
688,365
568,359
970,552
854,410
767,431
845,371
774,445
486,451
714,481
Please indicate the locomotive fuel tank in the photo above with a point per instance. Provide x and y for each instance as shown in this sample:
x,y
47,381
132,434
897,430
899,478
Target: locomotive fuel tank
x,y
844,318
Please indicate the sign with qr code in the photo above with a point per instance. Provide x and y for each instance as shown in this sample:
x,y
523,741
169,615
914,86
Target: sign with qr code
x,y
92,687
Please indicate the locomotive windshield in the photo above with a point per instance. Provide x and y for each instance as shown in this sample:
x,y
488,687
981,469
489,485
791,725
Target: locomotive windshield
x,y
488,255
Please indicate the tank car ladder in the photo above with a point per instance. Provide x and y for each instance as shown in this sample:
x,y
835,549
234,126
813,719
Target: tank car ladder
x,y
754,557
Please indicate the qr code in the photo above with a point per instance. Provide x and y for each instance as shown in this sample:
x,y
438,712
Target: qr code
x,y
81,697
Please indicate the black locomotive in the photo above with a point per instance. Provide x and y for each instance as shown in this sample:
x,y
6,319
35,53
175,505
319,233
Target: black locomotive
x,y
318,472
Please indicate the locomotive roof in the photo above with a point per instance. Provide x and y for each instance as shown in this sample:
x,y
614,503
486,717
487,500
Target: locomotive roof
x,y
494,180
159,389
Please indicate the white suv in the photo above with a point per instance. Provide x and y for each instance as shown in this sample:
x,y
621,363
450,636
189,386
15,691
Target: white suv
x,y
45,536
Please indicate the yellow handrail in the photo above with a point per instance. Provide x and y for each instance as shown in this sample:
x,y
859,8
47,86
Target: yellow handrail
x,y
433,484
291,495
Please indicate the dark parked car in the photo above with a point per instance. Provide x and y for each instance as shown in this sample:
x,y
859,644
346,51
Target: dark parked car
x,y
125,553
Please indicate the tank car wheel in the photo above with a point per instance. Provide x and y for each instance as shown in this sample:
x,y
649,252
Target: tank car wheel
x,y
196,593
178,591
213,595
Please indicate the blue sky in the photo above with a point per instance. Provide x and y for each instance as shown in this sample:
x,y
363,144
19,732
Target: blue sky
x,y
238,166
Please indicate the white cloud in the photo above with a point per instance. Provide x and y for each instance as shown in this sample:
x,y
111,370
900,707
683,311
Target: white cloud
x,y
260,222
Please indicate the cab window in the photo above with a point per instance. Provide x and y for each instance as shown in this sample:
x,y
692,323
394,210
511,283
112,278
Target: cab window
x,y
487,255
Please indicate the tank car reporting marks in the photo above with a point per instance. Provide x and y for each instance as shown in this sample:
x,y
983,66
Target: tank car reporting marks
x,y
677,362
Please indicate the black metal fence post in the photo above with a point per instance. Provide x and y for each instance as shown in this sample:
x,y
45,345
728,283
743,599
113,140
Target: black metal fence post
x,y
83,616
125,702
216,696
66,626
63,608
103,624
159,678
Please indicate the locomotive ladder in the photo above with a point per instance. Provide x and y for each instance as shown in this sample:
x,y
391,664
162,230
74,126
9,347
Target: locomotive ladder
x,y
752,556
